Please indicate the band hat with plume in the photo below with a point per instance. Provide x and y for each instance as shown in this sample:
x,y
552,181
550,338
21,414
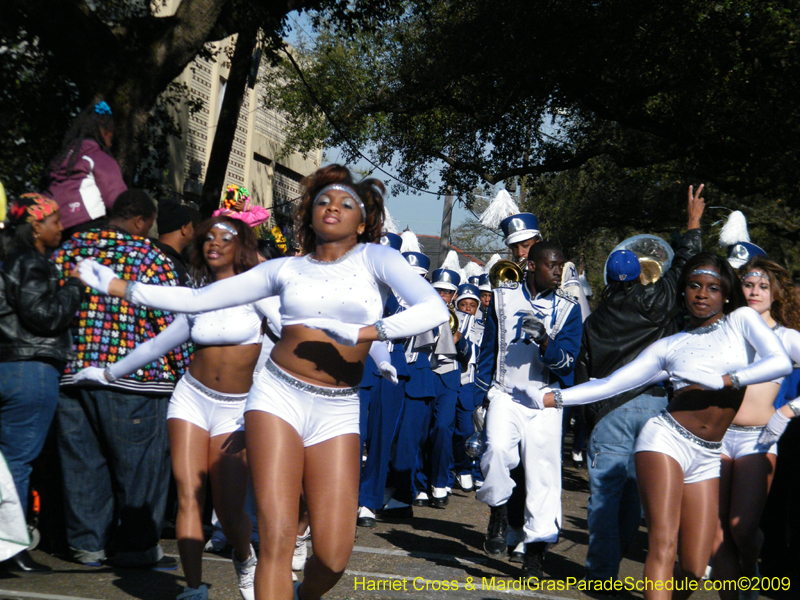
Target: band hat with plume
x,y
481,281
445,279
389,223
736,238
452,263
410,242
504,213
492,262
468,290
392,240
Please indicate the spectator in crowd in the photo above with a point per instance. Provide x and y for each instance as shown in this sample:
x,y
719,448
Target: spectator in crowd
x,y
113,440
176,225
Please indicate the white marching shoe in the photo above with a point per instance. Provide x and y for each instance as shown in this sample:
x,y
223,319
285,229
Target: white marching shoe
x,y
246,574
300,551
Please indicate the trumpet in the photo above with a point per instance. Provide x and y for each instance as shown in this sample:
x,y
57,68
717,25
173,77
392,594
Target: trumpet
x,y
504,271
453,318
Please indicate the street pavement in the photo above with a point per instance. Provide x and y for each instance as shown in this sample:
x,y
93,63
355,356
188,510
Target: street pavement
x,y
404,559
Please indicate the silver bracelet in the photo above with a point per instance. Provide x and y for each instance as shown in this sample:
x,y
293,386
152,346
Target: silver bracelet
x,y
128,293
794,406
735,383
380,327
108,375
559,401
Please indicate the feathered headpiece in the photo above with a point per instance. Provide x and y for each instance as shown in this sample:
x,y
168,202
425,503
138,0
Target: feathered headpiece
x,y
503,206
410,242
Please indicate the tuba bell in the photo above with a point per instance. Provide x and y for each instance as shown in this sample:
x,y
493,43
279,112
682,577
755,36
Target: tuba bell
x,y
504,271
654,254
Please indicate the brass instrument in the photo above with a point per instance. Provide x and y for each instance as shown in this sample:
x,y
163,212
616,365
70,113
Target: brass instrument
x,y
654,254
453,319
504,271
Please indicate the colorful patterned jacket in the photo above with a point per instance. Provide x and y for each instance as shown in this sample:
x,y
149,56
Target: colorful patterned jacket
x,y
106,328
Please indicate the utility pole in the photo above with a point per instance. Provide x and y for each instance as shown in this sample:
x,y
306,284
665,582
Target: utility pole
x,y
447,217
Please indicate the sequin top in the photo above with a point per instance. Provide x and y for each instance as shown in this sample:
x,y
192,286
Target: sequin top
x,y
730,344
352,289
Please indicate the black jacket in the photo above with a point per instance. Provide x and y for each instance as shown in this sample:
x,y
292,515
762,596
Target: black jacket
x,y
35,310
628,322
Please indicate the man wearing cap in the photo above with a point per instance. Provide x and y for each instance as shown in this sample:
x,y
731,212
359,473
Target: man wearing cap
x,y
630,317
384,402
414,418
176,223
438,452
532,338
470,334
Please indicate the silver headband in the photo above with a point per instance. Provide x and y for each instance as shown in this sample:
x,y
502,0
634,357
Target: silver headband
x,y
347,190
226,226
759,274
708,272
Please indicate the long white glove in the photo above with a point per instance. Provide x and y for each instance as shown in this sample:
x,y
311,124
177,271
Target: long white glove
x,y
92,374
344,333
388,372
534,395
96,275
479,418
706,379
774,429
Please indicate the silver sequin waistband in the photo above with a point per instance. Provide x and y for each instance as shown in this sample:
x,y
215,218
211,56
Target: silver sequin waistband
x,y
745,428
668,419
317,390
213,394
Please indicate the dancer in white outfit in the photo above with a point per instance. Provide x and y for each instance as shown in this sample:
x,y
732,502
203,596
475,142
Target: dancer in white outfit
x,y
301,418
748,465
678,452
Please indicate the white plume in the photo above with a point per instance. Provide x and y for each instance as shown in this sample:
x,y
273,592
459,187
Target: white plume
x,y
734,230
451,262
410,242
501,207
492,261
389,224
587,289
471,269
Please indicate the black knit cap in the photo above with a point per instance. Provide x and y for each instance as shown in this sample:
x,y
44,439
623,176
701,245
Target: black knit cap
x,y
172,216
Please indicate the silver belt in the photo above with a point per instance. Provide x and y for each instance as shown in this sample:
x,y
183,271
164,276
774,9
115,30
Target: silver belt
x,y
745,428
308,387
192,382
668,419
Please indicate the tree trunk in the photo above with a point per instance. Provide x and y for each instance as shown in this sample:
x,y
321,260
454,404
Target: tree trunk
x,y
228,120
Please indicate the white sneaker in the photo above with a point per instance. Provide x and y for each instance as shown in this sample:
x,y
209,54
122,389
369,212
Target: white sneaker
x,y
294,576
200,593
246,574
300,551
464,481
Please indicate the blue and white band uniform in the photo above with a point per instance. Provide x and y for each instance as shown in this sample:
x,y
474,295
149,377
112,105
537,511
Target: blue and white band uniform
x,y
509,358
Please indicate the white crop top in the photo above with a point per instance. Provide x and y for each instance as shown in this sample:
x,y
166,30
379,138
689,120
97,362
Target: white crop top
x,y
235,326
352,289
730,344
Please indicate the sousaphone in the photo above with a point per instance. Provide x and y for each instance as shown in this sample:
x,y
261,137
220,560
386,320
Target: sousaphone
x,y
654,254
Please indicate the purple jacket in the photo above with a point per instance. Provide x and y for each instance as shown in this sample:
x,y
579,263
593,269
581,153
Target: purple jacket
x,y
92,186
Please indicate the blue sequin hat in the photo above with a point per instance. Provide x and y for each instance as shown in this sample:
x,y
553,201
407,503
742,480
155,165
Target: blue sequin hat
x,y
392,240
520,227
468,290
418,261
445,279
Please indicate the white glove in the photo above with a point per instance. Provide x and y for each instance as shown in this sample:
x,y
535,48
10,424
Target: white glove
x,y
479,418
534,327
344,333
388,372
534,395
774,429
92,374
96,275
706,379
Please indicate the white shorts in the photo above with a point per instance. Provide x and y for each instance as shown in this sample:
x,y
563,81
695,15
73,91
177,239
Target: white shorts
x,y
699,458
216,412
316,413
742,440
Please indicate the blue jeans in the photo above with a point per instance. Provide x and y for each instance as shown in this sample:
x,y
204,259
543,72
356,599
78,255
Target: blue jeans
x,y
115,461
28,398
614,510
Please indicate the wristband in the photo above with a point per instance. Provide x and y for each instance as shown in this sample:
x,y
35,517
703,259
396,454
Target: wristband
x,y
380,327
794,406
735,383
109,375
559,401
128,293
